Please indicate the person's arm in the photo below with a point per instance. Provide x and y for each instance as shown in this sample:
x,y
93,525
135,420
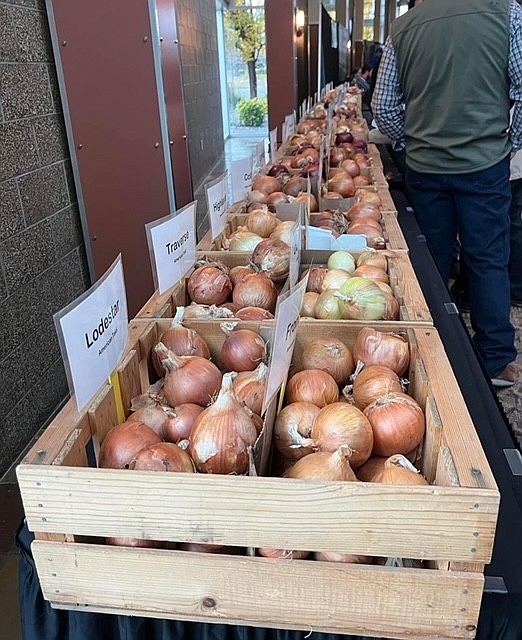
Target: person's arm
x,y
515,74
387,98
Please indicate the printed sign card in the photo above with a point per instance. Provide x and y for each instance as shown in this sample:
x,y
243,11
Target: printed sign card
x,y
241,171
216,191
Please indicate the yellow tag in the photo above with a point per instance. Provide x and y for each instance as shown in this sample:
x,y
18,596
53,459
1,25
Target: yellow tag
x,y
114,380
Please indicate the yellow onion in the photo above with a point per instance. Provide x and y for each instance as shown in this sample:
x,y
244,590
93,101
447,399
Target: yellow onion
x,y
283,554
341,260
366,195
331,355
341,424
292,428
393,308
123,442
242,349
188,378
373,381
308,307
284,231
181,341
363,210
222,434
335,278
242,240
372,273
324,465
239,272
349,558
181,421
377,347
374,258
312,385
255,290
361,299
398,424
196,311
209,285
140,543
295,186
272,257
254,313
266,184
149,409
399,470
327,306
163,456
315,279
261,222
249,387
368,471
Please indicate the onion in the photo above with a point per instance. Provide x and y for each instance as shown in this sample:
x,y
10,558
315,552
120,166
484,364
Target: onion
x,y
329,556
292,427
331,355
272,257
327,306
206,312
332,195
261,223
242,350
340,424
361,299
368,471
361,181
256,197
315,279
333,220
134,542
373,382
398,423
266,184
254,313
278,197
308,307
393,308
342,184
312,385
181,421
374,258
351,167
341,260
372,273
335,279
194,547
366,222
163,456
363,210
249,387
399,470
337,156
181,341
239,272
389,349
309,200
283,554
223,434
123,442
343,136
366,195
295,186
242,240
149,409
209,285
283,231
324,465
189,378
277,170
255,290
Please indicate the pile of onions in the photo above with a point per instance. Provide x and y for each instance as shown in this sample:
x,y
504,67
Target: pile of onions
x,y
399,470
330,355
223,434
188,378
339,424
292,429
163,456
181,341
312,385
242,349
372,382
209,285
398,424
389,349
123,442
324,465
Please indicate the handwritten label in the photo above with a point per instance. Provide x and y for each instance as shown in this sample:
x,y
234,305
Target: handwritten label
x,y
241,171
286,321
172,245
216,191
273,145
92,332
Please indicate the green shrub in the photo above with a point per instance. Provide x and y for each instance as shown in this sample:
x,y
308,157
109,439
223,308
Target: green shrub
x,y
252,112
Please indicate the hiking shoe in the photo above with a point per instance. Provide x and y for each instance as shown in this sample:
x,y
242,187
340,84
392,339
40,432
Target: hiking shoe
x,y
507,378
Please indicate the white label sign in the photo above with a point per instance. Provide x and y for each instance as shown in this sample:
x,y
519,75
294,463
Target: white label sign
x,y
261,153
273,145
286,320
295,254
241,171
92,332
290,125
217,204
172,244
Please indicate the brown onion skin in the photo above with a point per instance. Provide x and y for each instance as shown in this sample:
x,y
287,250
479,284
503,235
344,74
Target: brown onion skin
x,y
395,473
373,381
254,313
308,306
315,279
295,417
163,456
272,257
341,424
249,389
368,471
196,380
242,350
255,290
154,417
183,342
330,355
398,424
295,186
363,210
372,273
180,425
266,184
209,285
323,465
123,442
312,385
383,348
239,272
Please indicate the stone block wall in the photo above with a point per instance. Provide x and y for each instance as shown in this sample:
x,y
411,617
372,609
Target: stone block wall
x,y
42,259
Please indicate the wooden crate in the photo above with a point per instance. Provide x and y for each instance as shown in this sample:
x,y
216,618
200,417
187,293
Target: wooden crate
x,y
449,525
403,281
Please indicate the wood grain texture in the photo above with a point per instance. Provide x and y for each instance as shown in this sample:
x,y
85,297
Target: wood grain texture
x,y
307,595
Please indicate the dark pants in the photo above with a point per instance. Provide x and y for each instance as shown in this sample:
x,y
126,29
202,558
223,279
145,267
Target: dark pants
x,y
515,244
475,207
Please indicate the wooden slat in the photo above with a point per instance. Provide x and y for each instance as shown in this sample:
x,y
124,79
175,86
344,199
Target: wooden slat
x,y
406,286
362,518
307,595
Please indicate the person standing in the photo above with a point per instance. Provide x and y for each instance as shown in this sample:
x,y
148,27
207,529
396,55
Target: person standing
x,y
454,125
515,238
